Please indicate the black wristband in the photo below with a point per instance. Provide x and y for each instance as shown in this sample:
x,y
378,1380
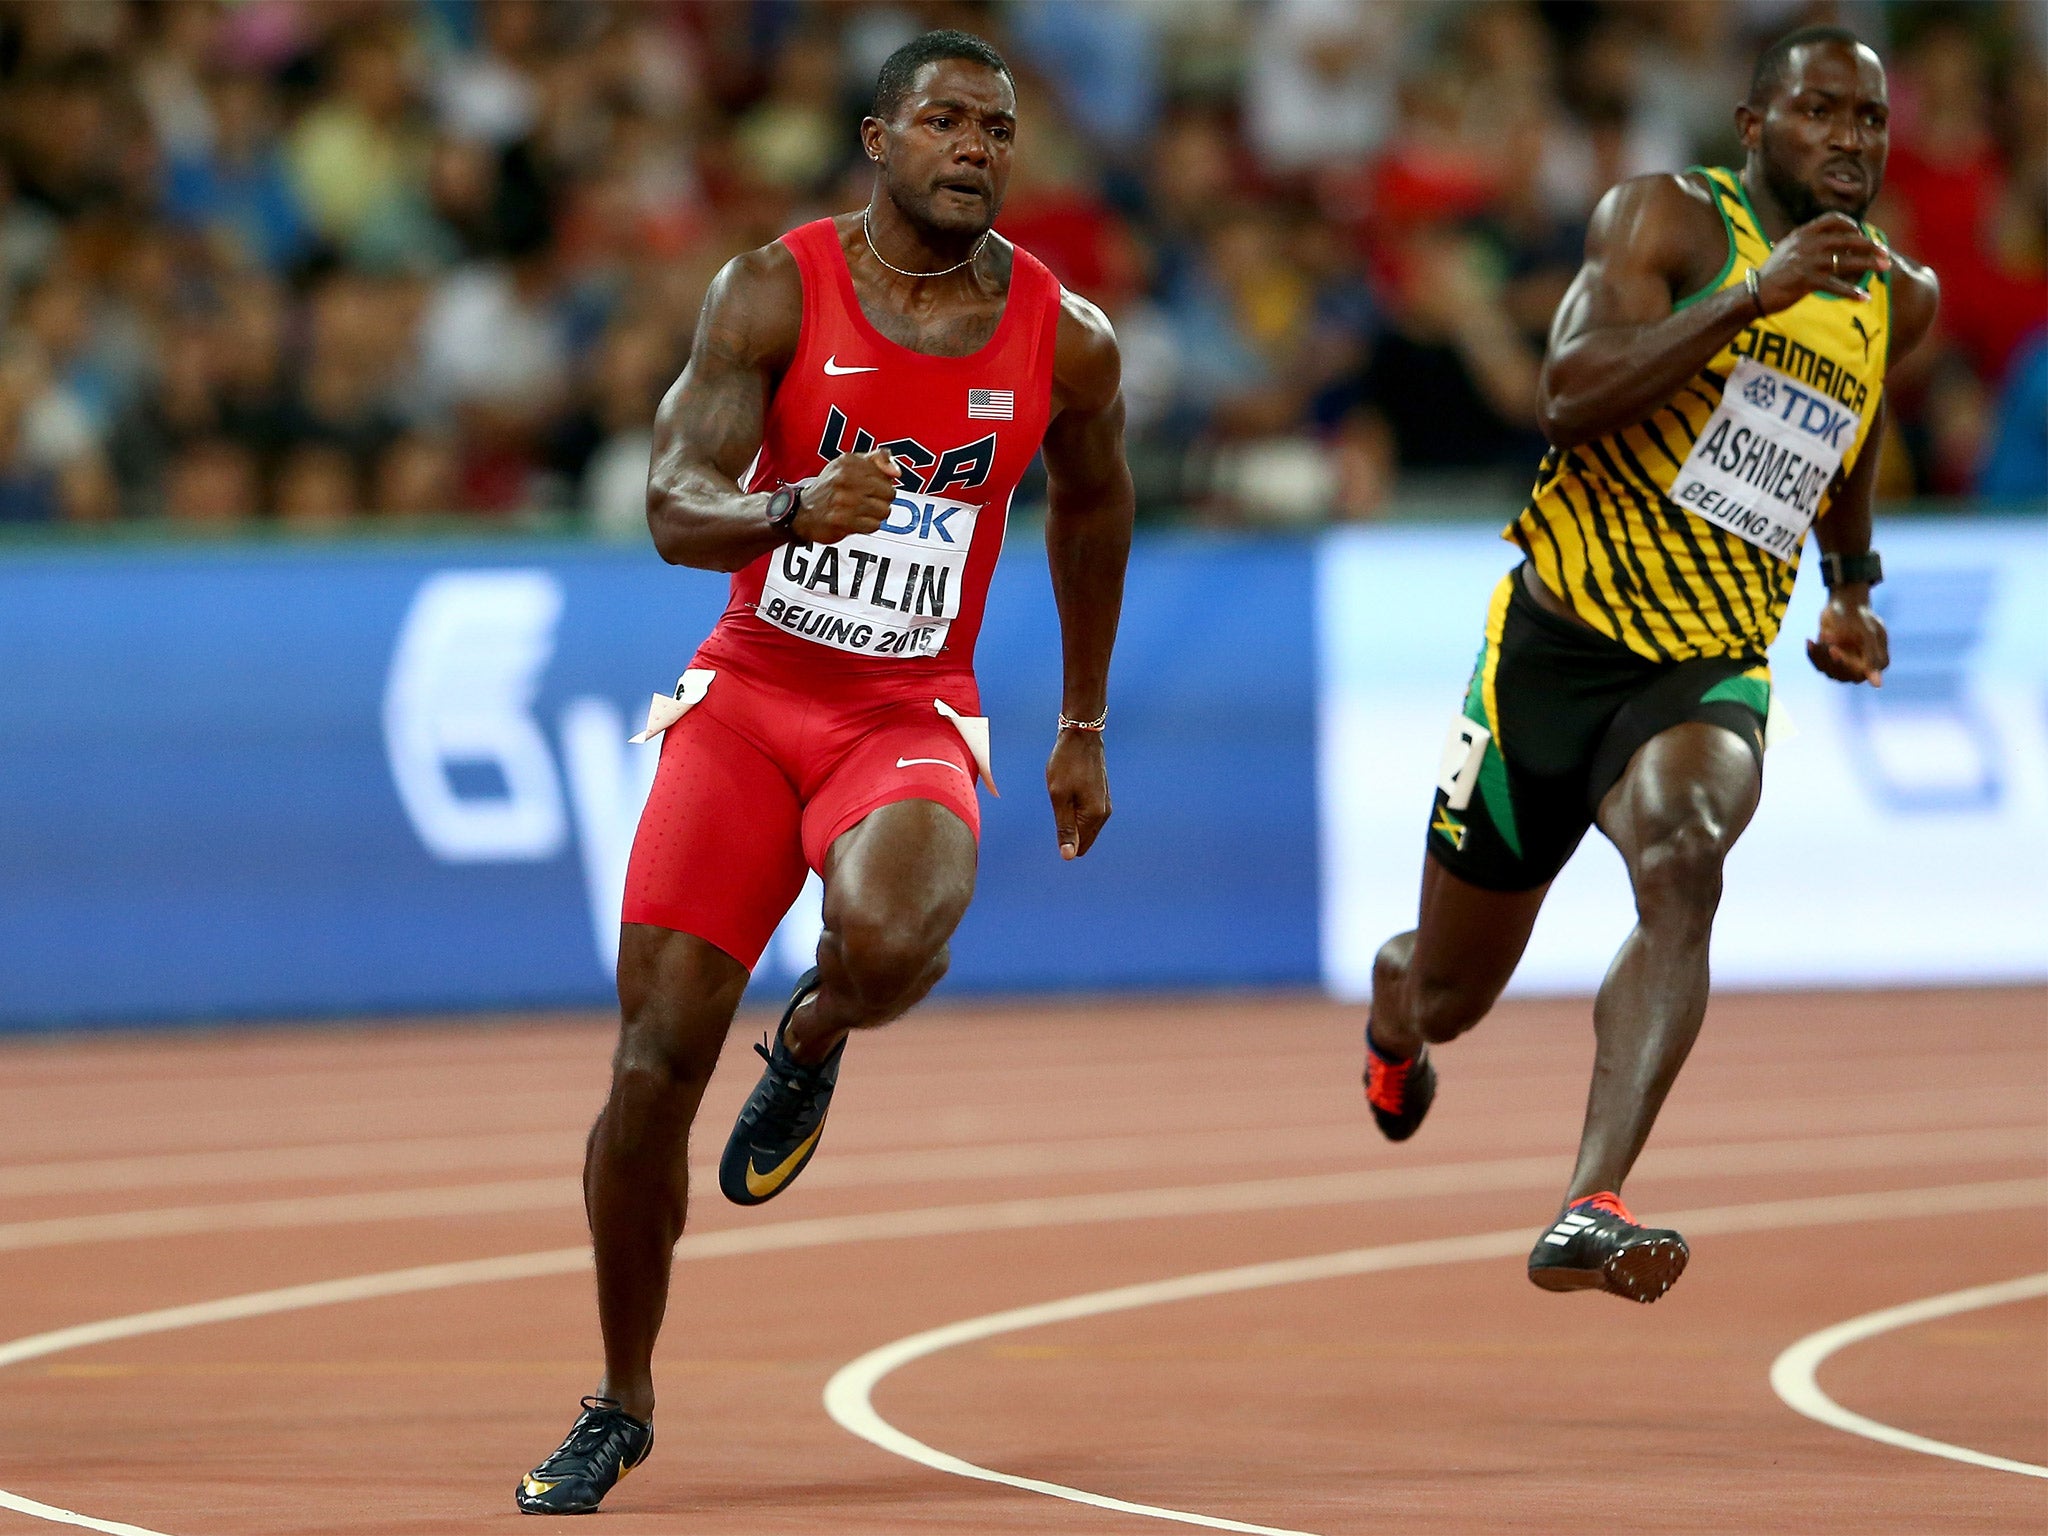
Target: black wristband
x,y
1865,569
782,508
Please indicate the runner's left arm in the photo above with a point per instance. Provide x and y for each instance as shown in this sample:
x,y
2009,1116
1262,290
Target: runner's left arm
x,y
1852,646
1088,544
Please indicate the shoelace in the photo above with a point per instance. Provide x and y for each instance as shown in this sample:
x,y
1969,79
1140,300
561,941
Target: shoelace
x,y
587,1436
1389,1080
801,1086
1607,1200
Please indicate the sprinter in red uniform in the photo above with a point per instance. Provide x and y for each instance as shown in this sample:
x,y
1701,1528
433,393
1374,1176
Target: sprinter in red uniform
x,y
861,400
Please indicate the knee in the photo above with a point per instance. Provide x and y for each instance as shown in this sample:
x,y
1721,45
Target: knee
x,y
1444,1009
1439,1007
883,960
1677,870
657,1063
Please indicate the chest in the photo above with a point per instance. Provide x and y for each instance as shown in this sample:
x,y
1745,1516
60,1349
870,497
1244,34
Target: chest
x,y
941,329
1835,349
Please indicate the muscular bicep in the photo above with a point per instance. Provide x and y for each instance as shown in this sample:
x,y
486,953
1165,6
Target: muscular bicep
x,y
1084,449
1633,262
1084,443
712,418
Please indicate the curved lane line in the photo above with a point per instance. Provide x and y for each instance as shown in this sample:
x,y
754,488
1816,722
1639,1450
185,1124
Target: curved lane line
x,y
932,1221
1793,1372
56,1516
849,1394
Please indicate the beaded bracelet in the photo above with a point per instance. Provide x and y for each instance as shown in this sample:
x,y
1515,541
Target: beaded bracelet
x,y
1085,725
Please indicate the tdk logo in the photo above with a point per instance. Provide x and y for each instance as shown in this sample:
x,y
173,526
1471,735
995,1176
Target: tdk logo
x,y
1813,414
920,518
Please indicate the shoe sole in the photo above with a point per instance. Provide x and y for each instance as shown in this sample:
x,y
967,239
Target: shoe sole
x,y
1641,1272
536,1507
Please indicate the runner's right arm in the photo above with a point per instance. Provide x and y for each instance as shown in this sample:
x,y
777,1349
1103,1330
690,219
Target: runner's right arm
x,y
1619,349
710,425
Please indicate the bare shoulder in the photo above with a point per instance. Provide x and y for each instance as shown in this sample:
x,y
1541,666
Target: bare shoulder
x,y
1087,368
755,307
1670,215
1916,296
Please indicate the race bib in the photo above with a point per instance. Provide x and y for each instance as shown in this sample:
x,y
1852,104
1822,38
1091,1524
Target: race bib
x,y
893,592
1766,458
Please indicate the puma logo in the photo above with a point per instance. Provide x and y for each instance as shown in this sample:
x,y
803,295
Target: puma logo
x,y
1861,330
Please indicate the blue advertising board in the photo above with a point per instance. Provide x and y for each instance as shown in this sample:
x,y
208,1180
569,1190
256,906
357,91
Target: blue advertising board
x,y
291,781
262,781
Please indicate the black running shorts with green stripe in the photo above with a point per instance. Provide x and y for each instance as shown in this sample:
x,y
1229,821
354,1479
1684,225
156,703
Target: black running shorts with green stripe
x,y
1553,716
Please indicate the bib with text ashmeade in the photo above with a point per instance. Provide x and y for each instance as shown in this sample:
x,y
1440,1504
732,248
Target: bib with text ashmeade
x,y
893,592
1765,458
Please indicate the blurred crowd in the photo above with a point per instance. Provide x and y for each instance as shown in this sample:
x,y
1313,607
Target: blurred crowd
x,y
310,261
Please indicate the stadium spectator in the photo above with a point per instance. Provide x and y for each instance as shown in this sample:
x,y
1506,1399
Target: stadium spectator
x,y
212,485
317,488
450,239
230,186
418,476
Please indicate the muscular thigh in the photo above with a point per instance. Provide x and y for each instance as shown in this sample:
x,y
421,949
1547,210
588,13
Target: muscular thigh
x,y
1513,805
908,866
1694,780
719,852
903,751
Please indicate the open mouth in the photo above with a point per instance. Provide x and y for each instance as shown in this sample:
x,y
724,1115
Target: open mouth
x,y
965,189
1845,179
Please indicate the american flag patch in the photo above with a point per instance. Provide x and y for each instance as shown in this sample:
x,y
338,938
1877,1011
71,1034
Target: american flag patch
x,y
991,405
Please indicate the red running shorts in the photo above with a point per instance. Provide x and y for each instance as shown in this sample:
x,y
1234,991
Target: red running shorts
x,y
757,781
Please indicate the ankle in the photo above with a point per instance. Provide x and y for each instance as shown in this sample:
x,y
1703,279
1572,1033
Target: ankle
x,y
637,1404
796,1038
1391,1050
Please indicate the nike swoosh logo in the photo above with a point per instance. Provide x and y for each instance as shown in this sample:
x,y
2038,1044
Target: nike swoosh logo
x,y
832,367
759,1183
535,1487
905,762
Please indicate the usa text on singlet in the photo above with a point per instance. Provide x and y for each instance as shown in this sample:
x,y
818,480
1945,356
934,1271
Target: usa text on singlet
x,y
909,596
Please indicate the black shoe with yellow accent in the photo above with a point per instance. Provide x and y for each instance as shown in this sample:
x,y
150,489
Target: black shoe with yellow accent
x,y
604,1444
779,1127
1596,1245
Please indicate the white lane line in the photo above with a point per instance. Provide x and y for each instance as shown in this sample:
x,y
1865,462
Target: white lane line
x,y
1904,1149
298,1211
1793,1373
931,1221
56,1516
849,1394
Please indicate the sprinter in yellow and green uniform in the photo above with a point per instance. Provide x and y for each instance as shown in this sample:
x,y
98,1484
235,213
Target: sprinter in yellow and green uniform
x,y
1714,391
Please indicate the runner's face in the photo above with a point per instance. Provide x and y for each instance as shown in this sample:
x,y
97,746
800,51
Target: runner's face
x,y
946,155
1824,135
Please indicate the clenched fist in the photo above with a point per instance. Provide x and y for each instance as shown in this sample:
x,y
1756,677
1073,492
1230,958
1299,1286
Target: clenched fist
x,y
851,495
1827,255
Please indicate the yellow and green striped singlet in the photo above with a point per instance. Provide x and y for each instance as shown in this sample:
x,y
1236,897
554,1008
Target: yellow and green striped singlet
x,y
1679,536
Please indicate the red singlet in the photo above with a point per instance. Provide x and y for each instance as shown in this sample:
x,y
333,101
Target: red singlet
x,y
830,657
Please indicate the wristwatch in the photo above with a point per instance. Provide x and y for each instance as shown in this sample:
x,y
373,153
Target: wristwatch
x,y
782,508
1865,569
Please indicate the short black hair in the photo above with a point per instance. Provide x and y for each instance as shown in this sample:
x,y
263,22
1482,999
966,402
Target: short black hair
x,y
899,70
1774,61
